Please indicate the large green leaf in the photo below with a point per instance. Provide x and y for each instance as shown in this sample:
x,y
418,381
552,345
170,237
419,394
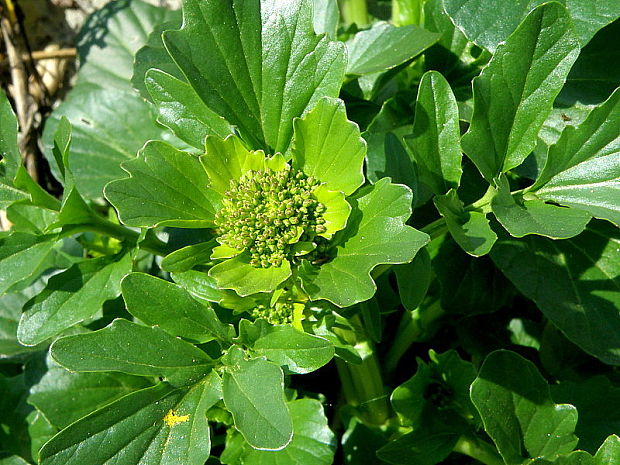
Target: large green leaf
x,y
72,296
169,306
435,141
329,147
166,187
22,256
293,350
313,442
156,425
254,394
385,46
376,234
182,111
65,397
133,349
575,283
534,216
470,229
514,94
110,120
487,22
583,167
259,64
517,410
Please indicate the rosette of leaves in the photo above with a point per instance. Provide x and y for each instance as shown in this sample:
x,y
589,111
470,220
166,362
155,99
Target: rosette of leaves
x,y
299,223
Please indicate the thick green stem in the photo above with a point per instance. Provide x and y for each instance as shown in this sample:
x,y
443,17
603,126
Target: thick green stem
x,y
362,383
363,386
354,11
413,327
100,225
479,450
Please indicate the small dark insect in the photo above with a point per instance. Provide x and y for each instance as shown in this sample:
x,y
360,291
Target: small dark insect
x,y
566,117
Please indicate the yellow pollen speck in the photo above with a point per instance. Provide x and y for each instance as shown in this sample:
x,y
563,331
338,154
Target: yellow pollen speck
x,y
172,419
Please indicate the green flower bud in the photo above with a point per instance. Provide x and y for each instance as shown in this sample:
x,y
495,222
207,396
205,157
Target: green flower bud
x,y
263,211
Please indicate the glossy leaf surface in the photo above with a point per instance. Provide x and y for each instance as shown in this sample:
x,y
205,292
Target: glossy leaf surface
x,y
514,94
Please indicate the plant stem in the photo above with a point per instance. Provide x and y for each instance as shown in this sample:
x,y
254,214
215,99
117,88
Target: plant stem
x,y
101,225
354,11
479,450
413,327
363,385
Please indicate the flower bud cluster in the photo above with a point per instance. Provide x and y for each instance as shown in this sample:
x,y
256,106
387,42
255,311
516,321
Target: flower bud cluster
x,y
280,314
266,212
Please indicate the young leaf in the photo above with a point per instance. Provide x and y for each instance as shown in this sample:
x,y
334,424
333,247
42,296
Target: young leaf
x,y
470,229
159,424
329,147
574,282
254,394
514,94
166,187
381,236
160,303
294,351
583,167
64,397
518,413
313,442
252,67
535,216
133,349
186,258
385,46
435,141
72,296
436,392
237,273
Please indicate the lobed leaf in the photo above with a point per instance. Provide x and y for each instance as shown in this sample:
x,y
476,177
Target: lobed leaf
x,y
329,147
166,187
376,235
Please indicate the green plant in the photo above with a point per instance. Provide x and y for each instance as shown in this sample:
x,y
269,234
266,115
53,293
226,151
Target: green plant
x,y
299,203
